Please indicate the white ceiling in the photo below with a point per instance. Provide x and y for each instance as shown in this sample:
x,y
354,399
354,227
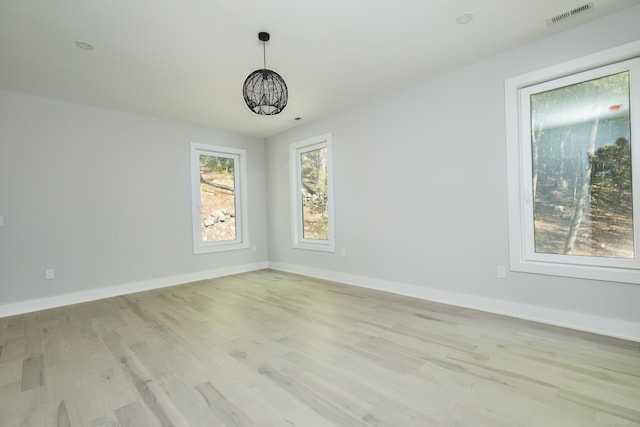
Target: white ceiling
x,y
187,60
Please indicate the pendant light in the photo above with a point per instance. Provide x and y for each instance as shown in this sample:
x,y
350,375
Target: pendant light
x,y
264,91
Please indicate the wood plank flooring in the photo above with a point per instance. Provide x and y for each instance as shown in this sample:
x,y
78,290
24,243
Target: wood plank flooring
x,y
274,349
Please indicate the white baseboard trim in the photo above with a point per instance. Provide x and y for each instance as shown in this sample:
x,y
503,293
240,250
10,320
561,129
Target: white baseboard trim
x,y
568,319
61,300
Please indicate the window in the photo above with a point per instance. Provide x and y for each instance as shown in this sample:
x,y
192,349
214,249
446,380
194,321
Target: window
x,y
574,203
312,194
218,192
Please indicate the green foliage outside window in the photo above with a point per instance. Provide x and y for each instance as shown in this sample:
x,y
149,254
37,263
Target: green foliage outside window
x,y
581,165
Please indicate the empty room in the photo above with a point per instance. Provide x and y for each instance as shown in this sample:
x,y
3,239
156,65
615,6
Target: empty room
x,y
336,213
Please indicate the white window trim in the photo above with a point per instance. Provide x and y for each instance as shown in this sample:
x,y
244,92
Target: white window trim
x,y
295,150
240,182
519,193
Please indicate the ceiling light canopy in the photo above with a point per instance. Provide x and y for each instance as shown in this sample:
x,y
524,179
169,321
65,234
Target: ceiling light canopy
x,y
84,44
264,91
465,18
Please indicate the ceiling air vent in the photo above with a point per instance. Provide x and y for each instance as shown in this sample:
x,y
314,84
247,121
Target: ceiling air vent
x,y
570,13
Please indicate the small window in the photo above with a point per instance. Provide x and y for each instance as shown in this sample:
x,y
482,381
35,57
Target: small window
x,y
312,194
574,203
219,207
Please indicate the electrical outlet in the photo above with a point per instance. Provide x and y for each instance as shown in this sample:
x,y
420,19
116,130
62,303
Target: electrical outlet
x,y
501,271
49,274
343,252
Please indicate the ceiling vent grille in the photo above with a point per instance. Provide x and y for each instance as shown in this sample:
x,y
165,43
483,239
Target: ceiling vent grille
x,y
570,13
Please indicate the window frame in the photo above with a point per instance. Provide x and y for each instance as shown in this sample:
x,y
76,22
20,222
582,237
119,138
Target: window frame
x,y
297,236
523,257
240,187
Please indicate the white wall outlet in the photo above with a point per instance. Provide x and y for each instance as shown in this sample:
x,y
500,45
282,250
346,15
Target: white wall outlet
x,y
50,274
343,252
254,248
501,271
1,221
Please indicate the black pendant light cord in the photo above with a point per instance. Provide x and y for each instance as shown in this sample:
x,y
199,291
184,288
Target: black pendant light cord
x,y
264,38
264,54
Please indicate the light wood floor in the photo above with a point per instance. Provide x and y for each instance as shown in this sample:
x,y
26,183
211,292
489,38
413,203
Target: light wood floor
x,y
274,349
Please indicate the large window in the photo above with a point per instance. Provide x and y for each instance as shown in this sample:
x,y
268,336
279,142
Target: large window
x,y
218,190
311,190
574,199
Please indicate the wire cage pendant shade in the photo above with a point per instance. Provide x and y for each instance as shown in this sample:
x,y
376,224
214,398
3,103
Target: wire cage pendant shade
x,y
265,91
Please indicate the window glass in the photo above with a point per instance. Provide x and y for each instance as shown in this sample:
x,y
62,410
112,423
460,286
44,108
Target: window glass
x,y
217,198
311,194
315,215
218,181
572,150
581,169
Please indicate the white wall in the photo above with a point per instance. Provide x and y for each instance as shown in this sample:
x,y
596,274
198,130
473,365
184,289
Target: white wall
x,y
421,191
103,198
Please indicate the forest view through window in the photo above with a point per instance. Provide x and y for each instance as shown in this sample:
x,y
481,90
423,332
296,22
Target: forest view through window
x,y
315,216
218,194
312,194
217,198
582,169
573,155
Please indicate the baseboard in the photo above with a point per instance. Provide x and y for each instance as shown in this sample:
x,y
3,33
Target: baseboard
x,y
579,321
616,328
29,306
